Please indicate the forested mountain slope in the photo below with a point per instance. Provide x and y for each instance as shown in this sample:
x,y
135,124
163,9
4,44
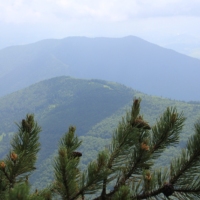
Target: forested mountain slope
x,y
63,101
130,60
94,106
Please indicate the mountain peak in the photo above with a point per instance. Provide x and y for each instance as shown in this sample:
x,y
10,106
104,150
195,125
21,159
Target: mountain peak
x,y
129,60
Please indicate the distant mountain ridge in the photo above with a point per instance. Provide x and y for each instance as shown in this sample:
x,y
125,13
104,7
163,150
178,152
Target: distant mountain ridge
x,y
130,60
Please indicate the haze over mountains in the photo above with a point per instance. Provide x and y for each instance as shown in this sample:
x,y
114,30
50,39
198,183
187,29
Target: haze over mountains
x,y
130,60
183,43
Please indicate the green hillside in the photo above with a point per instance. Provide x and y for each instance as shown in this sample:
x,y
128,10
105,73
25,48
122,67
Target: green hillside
x,y
94,106
60,102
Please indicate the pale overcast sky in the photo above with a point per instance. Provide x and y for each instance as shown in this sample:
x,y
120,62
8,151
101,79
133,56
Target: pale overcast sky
x,y
25,21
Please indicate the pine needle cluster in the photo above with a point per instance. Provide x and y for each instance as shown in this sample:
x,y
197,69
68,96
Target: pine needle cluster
x,y
124,170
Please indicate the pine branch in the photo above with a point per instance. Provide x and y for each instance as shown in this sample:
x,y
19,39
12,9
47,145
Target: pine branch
x,y
70,141
125,141
186,167
144,148
138,162
20,162
152,184
128,161
44,194
122,194
166,131
66,174
190,189
184,170
66,163
93,177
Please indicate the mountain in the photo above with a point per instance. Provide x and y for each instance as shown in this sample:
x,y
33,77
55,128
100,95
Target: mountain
x,y
61,102
58,103
130,60
94,106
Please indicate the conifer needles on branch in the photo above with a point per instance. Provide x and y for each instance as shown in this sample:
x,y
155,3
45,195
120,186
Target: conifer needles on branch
x,y
124,170
20,161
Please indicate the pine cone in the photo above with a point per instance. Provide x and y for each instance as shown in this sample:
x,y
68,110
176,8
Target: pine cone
x,y
36,191
13,156
144,146
148,176
136,103
2,165
72,129
168,189
26,126
76,154
139,123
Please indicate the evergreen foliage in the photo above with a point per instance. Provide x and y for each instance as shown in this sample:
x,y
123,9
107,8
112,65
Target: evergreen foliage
x,y
20,161
123,170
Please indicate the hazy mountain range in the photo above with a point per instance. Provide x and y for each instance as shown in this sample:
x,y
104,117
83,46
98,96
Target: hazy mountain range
x,y
130,60
183,43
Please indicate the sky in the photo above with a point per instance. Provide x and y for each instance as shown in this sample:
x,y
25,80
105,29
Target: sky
x,y
157,21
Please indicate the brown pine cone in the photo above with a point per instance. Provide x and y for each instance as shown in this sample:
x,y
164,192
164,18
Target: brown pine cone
x,y
76,154
139,123
168,189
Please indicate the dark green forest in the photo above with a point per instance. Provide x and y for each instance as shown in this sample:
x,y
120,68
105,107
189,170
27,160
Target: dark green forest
x,y
94,106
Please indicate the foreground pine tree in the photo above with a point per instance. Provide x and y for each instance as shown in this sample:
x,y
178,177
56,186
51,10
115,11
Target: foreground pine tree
x,y
18,165
124,170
